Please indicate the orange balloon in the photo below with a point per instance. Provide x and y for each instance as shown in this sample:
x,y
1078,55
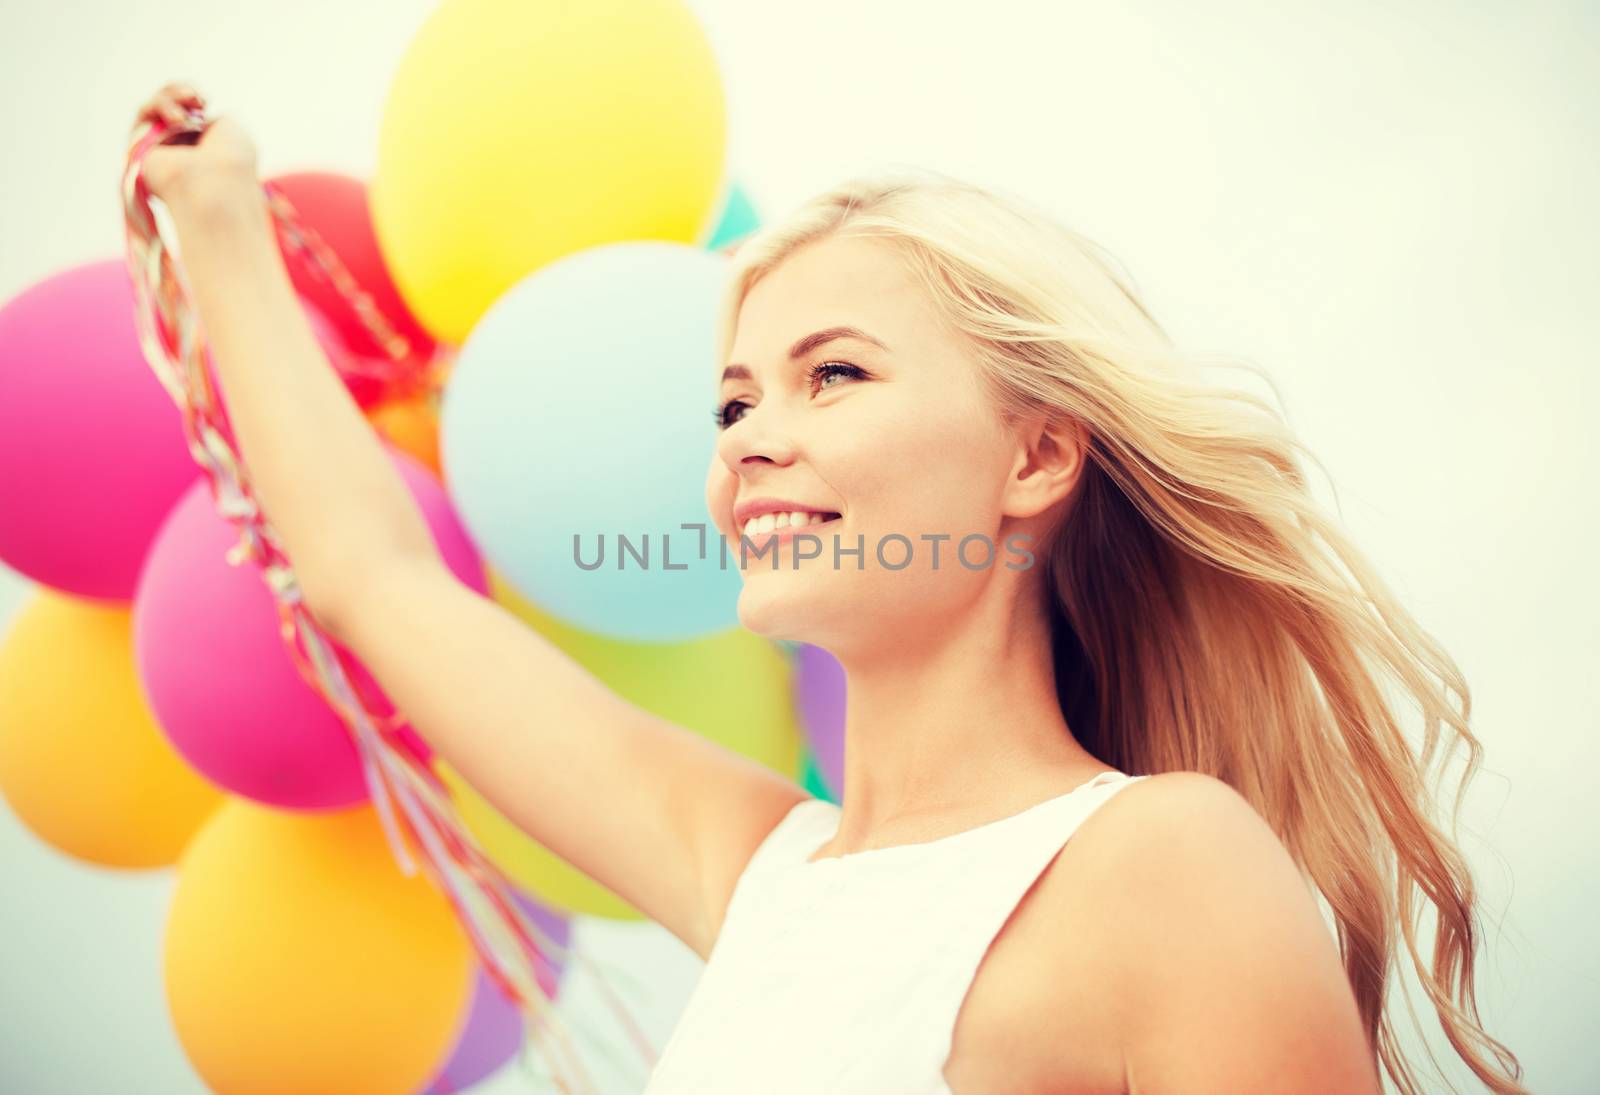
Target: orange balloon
x,y
298,957
410,424
83,762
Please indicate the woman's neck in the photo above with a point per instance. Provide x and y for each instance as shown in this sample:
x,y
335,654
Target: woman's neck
x,y
951,726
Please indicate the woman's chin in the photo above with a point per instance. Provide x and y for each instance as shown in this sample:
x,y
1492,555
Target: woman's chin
x,y
772,605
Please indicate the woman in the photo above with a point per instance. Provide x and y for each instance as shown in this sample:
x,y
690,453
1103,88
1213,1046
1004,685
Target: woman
x,y
1048,555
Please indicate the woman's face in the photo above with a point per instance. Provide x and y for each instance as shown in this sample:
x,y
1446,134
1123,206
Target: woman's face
x,y
889,429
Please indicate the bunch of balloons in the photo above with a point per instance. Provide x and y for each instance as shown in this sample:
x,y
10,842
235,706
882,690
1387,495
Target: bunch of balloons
x,y
568,264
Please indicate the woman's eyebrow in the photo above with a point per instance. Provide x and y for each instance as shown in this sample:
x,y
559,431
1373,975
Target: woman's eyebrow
x,y
805,345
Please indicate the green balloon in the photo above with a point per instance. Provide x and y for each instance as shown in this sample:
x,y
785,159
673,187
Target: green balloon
x,y
739,219
811,777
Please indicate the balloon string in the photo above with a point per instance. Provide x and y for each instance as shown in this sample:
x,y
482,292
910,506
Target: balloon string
x,y
419,818
400,373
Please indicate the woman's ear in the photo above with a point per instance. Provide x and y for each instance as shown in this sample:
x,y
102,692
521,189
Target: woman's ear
x,y
1051,450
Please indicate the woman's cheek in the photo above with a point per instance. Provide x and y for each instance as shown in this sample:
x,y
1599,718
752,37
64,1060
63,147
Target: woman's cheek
x,y
719,494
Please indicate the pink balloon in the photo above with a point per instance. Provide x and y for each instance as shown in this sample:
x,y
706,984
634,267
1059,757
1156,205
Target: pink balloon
x,y
92,453
219,677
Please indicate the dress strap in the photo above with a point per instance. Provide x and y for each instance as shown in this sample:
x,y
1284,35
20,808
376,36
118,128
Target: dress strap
x,y
1001,875
799,832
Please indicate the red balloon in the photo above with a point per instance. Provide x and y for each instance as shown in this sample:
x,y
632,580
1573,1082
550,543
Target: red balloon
x,y
335,207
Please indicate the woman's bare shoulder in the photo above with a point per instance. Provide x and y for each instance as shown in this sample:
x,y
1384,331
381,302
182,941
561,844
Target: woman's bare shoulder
x,y
1150,813
1216,939
1172,853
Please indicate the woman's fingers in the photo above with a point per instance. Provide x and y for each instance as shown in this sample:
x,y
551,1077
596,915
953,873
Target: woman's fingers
x,y
185,95
171,104
173,99
155,110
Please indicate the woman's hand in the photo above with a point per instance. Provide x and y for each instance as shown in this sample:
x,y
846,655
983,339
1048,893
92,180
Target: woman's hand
x,y
214,168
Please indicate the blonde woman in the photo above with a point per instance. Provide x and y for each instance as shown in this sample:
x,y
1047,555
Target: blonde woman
x,y
1142,635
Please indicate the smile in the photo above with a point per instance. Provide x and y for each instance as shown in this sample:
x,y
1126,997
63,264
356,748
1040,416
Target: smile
x,y
783,526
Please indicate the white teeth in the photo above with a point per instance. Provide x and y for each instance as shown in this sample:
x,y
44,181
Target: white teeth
x,y
767,522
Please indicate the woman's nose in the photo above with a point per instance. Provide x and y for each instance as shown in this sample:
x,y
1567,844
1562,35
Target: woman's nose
x,y
756,437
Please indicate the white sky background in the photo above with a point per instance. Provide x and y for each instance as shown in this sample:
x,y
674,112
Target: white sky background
x,y
1392,212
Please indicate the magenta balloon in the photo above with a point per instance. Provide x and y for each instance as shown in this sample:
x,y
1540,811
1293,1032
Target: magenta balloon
x,y
819,690
92,452
218,676
493,1031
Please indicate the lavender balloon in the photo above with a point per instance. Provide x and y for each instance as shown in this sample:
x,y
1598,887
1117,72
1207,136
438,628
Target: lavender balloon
x,y
819,688
492,1032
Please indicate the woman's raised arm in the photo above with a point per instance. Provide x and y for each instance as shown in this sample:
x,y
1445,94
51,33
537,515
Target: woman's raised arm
x,y
655,812
315,463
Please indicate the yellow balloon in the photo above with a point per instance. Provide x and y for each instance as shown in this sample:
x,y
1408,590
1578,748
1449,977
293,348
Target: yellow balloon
x,y
82,761
298,958
518,131
733,687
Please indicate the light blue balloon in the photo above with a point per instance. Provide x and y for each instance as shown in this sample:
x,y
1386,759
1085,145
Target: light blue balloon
x,y
739,219
580,404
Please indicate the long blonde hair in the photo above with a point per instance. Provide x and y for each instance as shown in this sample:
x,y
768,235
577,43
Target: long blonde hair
x,y
1207,614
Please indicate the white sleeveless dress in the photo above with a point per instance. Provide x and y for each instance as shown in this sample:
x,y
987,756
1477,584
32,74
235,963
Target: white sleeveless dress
x,y
845,976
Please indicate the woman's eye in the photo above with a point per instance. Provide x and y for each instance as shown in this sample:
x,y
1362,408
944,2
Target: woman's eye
x,y
726,414
723,413
826,369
